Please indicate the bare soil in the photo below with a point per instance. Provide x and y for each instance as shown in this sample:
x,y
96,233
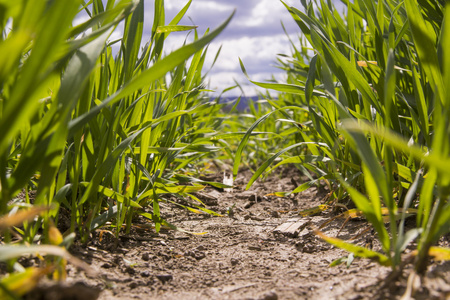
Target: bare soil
x,y
243,255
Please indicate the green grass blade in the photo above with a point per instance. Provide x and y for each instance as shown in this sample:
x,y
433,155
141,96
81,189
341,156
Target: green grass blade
x,y
158,70
175,28
356,250
425,43
268,162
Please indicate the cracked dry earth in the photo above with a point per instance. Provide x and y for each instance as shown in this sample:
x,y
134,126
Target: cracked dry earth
x,y
261,249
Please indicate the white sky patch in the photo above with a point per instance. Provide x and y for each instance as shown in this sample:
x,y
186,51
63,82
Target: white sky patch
x,y
80,18
209,6
219,80
259,51
197,4
264,13
258,55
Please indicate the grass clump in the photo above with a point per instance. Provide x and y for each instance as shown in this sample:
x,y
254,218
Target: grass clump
x,y
102,136
372,81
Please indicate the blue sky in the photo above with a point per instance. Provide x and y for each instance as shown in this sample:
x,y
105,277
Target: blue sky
x,y
255,35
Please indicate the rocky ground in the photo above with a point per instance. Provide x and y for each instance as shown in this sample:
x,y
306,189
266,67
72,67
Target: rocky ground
x,y
260,249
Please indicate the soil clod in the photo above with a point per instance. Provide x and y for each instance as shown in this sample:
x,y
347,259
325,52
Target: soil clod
x,y
269,296
164,278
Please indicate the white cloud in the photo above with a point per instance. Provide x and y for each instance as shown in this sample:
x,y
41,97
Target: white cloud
x,y
261,51
206,5
176,5
220,80
263,14
255,35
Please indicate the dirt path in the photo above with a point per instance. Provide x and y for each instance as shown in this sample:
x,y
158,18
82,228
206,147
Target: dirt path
x,y
242,256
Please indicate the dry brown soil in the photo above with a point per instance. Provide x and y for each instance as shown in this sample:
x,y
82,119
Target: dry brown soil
x,y
242,255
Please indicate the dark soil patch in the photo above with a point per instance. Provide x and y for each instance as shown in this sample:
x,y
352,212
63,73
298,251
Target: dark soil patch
x,y
242,256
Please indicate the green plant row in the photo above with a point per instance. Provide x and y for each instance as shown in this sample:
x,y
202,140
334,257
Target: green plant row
x,y
373,81
104,136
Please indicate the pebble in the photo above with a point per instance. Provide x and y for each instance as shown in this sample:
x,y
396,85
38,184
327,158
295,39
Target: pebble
x,y
199,255
146,256
135,284
164,278
234,261
269,296
106,265
249,204
275,214
145,273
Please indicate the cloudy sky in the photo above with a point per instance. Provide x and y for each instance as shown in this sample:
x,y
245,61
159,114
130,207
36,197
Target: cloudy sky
x,y
255,35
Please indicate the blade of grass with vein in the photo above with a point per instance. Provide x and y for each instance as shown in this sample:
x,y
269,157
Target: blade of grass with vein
x,y
133,35
371,213
425,44
356,250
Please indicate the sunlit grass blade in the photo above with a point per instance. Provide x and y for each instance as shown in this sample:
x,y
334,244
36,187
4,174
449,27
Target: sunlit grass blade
x,y
9,252
174,28
356,250
17,285
268,162
158,70
21,216
425,44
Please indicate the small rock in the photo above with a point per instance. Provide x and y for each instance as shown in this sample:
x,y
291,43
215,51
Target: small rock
x,y
199,255
145,273
305,247
133,285
248,204
130,270
209,283
122,250
146,256
136,283
234,261
269,296
292,228
275,214
164,278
